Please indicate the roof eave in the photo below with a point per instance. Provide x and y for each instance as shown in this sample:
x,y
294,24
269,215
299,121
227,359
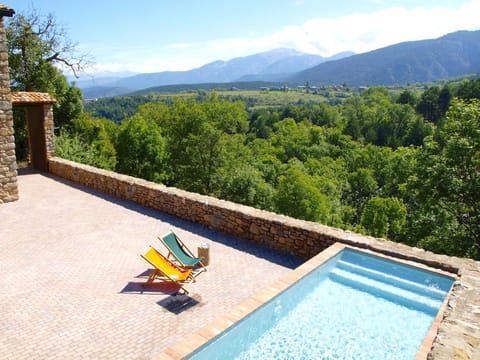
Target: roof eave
x,y
6,11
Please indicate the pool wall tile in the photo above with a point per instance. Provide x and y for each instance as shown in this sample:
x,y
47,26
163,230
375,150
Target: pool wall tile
x,y
427,343
164,356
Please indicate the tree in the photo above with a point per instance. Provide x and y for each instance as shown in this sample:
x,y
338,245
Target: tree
x,y
448,179
71,147
417,130
428,105
362,186
434,102
469,89
330,177
68,107
36,42
299,197
265,160
69,101
354,112
141,149
407,97
291,139
197,135
444,99
384,217
244,184
87,141
35,45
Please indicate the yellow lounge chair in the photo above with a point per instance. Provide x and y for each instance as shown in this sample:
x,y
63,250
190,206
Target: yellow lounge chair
x,y
165,269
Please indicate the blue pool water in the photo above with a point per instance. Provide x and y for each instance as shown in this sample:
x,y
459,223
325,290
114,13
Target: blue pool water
x,y
354,306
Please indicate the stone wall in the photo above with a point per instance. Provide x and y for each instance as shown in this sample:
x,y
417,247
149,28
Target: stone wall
x,y
274,231
8,162
303,239
49,129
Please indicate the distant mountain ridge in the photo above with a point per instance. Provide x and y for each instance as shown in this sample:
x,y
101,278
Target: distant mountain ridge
x,y
451,55
279,63
421,61
283,60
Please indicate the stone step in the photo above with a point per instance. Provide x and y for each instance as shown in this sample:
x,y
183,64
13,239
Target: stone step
x,y
387,291
421,288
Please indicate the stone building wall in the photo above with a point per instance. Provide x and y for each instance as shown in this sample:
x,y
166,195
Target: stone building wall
x,y
49,129
8,163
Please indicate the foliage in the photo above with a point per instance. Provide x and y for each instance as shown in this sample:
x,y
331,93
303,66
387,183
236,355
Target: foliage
x,y
73,148
36,45
141,149
449,173
407,97
299,197
245,184
434,102
69,101
116,108
469,89
372,164
196,136
87,135
373,118
35,42
384,217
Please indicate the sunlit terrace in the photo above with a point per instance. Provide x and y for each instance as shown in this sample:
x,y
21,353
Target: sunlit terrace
x,y
71,272
71,275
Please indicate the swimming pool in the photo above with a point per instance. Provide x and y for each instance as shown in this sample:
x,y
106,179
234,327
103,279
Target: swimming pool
x,y
354,306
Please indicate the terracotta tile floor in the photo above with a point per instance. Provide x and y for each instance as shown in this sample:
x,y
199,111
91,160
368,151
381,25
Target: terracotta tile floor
x,y
71,275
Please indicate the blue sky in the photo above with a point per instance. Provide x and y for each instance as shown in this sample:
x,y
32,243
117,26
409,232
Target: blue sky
x,y
159,35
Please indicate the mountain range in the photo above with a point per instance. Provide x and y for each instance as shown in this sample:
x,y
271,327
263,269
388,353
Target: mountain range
x,y
421,61
276,64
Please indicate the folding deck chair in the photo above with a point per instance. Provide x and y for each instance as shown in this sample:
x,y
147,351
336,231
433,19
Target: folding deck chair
x,y
166,270
181,253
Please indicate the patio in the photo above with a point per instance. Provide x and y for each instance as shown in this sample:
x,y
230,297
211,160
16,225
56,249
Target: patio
x,y
71,275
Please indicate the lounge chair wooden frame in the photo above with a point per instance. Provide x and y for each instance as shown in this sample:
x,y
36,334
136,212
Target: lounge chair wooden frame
x,y
174,249
166,270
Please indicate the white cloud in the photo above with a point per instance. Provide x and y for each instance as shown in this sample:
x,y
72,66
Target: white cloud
x,y
156,64
359,32
180,46
369,31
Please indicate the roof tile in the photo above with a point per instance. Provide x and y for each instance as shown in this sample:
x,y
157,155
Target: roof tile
x,y
6,10
23,97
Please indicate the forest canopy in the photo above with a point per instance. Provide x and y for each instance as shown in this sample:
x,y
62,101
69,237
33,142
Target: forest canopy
x,y
404,166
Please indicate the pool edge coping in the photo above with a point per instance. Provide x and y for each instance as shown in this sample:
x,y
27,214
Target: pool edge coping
x,y
209,331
